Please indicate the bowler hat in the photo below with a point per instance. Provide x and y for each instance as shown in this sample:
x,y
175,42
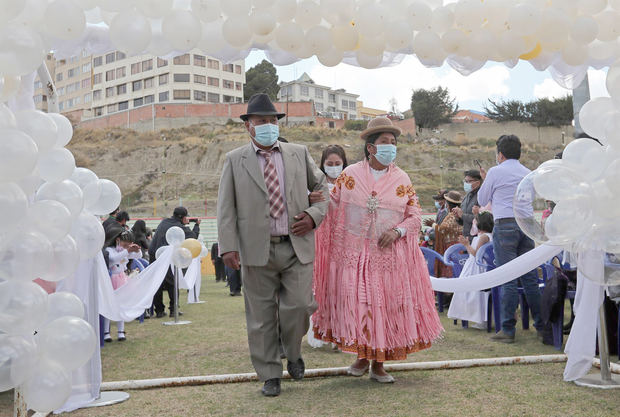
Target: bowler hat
x,y
454,197
261,105
380,125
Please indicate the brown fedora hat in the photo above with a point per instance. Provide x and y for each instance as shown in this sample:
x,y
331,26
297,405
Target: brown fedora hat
x,y
380,125
454,197
260,105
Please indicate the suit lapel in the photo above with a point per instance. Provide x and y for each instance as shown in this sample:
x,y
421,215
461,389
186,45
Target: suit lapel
x,y
290,166
250,162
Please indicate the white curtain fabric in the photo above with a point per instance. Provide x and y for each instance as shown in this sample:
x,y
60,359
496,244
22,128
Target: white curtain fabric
x,y
194,281
130,300
86,381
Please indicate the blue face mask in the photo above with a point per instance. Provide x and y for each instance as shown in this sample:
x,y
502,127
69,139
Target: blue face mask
x,y
267,134
385,154
437,205
467,187
426,238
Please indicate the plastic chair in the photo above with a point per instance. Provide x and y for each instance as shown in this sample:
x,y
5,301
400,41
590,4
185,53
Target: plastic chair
x,y
430,256
455,257
486,259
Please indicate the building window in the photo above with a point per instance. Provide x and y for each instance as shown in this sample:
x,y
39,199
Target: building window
x,y
71,88
121,89
38,84
332,98
228,99
238,69
84,53
345,104
181,94
109,75
120,55
87,98
318,106
161,62
96,95
98,111
163,79
200,60
85,68
112,108
73,72
137,102
149,82
98,61
213,98
61,106
181,60
38,98
123,105
147,65
135,68
73,59
109,92
228,68
77,100
149,99
59,76
121,72
238,86
352,105
60,91
109,58
228,84
213,64
86,83
318,93
163,96
304,90
200,95
181,78
200,79
136,85
214,82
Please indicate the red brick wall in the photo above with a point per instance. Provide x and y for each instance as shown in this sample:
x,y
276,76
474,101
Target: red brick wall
x,y
406,125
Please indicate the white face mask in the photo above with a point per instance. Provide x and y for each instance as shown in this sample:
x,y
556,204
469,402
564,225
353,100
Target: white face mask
x,y
333,171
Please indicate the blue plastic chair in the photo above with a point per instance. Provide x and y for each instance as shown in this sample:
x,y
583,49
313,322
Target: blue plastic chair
x,y
455,257
486,259
430,256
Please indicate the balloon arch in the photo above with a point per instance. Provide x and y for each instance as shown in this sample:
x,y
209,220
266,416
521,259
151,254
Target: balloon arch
x,y
40,182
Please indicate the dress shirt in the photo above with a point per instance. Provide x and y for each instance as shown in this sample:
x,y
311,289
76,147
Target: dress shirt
x,y
499,188
279,226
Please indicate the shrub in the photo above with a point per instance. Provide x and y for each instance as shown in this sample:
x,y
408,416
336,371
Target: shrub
x,y
355,124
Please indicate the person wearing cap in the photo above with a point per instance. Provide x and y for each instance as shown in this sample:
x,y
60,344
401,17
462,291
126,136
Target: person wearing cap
x,y
377,301
179,218
509,241
266,227
447,233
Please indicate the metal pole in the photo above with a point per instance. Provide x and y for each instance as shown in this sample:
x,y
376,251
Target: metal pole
x,y
175,300
48,82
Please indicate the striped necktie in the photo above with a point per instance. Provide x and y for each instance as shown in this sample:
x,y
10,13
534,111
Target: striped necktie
x,y
276,202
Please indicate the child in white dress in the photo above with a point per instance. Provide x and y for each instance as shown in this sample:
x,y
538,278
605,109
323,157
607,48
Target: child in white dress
x,y
473,305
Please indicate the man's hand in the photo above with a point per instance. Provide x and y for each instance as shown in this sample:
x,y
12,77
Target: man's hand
x,y
458,212
475,210
483,173
387,238
303,225
197,221
231,260
316,197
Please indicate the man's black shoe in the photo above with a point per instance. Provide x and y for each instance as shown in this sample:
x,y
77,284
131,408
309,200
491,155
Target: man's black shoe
x,y
296,369
160,314
172,313
271,387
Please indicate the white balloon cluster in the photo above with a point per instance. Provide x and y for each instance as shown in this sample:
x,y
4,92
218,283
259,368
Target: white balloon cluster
x,y
185,250
48,224
584,183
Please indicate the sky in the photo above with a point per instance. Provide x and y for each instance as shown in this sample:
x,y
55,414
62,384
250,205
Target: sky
x,y
377,86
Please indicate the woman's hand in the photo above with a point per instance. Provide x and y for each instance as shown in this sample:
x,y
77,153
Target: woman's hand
x,y
463,240
387,238
316,197
458,212
133,248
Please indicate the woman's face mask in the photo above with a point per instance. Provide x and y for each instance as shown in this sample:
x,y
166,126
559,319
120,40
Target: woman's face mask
x,y
437,205
333,171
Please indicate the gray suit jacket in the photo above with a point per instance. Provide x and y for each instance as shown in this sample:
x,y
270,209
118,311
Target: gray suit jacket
x,y
243,203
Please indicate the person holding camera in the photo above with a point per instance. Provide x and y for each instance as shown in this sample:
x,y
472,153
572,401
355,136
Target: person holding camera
x,y
179,218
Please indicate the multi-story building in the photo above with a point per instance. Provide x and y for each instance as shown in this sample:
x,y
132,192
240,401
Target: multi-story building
x,y
105,84
368,113
337,104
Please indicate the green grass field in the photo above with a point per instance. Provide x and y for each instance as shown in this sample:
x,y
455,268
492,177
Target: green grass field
x,y
215,343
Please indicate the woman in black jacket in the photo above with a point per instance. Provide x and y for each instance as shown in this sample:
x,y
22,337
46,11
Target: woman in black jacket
x,y
139,232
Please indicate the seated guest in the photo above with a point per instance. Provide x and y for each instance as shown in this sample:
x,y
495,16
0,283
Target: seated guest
x,y
447,233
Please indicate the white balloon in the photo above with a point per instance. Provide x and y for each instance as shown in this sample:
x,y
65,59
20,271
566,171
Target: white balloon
x,y
160,45
372,46
175,236
83,176
17,360
156,9
603,51
181,257
593,114
419,15
29,256
308,14
331,58
13,205
607,26
68,340
206,10
23,306
289,37
285,10
568,222
65,129
592,6
9,86
371,20
18,154
66,192
30,183
426,45
160,250
66,258
116,5
62,304
39,126
337,12
523,19
262,23
64,19
399,36
453,42
130,32
585,155
236,31
182,29
10,9
48,388
212,41
87,4
553,29
345,37
318,40
468,14
50,218
109,197
584,30
367,61
89,235
574,54
443,19
556,181
262,4
236,7
56,165
21,50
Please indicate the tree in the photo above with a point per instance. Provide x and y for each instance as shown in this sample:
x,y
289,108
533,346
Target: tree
x,y
432,107
261,78
541,112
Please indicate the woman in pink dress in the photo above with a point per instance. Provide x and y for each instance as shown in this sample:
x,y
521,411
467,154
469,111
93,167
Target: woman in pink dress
x,y
376,297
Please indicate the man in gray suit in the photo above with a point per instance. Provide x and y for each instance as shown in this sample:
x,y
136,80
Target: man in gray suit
x,y
266,225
